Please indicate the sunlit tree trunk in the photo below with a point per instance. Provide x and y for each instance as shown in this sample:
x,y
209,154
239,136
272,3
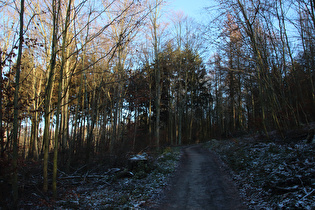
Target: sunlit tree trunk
x,y
49,90
94,108
61,91
65,107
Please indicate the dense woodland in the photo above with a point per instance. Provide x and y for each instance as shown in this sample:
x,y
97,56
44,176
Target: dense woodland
x,y
85,81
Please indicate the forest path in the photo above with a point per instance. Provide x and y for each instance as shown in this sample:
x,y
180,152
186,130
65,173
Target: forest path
x,y
201,183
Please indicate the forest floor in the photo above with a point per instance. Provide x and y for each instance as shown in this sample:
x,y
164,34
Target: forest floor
x,y
242,173
270,174
136,185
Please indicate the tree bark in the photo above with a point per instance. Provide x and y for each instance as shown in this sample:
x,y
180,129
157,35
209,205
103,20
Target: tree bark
x,y
49,91
157,75
60,92
1,96
16,109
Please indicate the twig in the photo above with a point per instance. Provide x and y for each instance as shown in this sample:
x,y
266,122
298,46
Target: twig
x,y
79,169
62,173
303,185
308,194
85,176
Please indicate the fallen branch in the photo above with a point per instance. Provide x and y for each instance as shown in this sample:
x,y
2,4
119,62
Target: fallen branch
x,y
83,177
287,189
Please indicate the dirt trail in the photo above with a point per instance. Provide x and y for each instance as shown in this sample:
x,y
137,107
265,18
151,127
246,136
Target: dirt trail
x,y
201,183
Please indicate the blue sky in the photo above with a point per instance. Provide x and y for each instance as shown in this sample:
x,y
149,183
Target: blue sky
x,y
192,8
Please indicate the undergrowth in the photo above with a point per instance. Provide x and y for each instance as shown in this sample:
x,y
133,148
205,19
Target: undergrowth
x,y
271,175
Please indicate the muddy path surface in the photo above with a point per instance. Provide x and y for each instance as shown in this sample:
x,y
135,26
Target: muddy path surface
x,y
201,183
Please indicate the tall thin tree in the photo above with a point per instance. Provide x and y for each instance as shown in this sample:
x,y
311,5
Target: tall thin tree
x,y
16,108
49,89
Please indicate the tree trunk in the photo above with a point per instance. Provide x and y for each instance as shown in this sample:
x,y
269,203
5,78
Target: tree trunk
x,y
94,101
33,151
16,110
49,91
157,75
60,92
1,127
